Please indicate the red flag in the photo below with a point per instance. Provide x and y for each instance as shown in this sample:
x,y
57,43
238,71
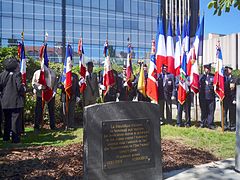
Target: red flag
x,y
218,80
152,84
108,77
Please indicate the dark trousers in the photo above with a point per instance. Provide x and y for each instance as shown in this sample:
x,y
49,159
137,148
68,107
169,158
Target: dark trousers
x,y
1,120
231,108
39,112
12,124
207,111
168,104
69,115
187,107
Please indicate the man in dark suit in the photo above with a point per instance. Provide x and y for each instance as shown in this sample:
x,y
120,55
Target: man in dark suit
x,y
166,85
12,99
69,113
207,98
229,101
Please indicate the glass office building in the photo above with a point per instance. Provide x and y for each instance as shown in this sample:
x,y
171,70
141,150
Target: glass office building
x,y
95,20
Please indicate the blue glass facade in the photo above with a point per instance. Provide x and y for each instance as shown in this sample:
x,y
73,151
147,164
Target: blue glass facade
x,y
94,20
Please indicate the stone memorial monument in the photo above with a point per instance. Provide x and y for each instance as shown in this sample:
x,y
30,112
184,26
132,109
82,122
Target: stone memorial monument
x,y
237,158
122,141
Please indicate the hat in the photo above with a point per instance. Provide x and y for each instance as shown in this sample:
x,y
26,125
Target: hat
x,y
10,64
228,67
90,63
207,66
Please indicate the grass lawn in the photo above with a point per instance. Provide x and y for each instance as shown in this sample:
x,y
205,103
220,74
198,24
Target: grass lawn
x,y
222,145
47,137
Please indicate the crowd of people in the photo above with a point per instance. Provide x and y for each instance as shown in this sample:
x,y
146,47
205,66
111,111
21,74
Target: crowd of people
x,y
13,94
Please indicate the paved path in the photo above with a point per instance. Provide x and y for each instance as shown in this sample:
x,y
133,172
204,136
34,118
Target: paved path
x,y
213,171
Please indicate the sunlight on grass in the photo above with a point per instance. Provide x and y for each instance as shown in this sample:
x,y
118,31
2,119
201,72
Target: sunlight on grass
x,y
221,144
47,137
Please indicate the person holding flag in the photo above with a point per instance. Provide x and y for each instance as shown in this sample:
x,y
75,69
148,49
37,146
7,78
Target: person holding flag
x,y
182,83
70,94
21,55
127,90
108,78
44,83
207,98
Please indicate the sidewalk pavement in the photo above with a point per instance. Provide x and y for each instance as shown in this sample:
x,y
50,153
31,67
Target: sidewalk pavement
x,y
212,171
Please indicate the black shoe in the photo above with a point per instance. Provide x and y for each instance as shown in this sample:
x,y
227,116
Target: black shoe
x,y
187,125
226,128
202,126
233,129
211,127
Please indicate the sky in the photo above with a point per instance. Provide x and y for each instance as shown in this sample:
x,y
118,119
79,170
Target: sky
x,y
227,23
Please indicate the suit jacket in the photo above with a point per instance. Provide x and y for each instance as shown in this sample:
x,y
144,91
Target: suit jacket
x,y
51,79
91,92
230,93
74,89
206,89
166,85
12,90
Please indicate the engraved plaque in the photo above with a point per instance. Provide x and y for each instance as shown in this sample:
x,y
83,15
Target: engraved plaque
x,y
127,144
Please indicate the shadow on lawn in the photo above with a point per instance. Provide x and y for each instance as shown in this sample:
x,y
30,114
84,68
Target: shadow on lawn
x,y
44,137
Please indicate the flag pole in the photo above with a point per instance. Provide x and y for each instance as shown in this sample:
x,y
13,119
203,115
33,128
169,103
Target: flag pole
x,y
222,116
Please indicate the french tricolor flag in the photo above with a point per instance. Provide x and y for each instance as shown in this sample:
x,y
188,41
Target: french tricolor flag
x,y
152,83
195,51
129,70
177,62
108,77
22,62
82,65
218,80
170,49
161,48
68,71
48,92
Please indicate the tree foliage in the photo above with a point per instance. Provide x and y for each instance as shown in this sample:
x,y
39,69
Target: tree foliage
x,y
220,5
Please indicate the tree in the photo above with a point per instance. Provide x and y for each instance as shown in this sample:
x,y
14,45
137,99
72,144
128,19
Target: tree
x,y
220,5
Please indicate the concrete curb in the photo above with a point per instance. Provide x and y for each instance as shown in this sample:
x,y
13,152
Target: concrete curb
x,y
215,170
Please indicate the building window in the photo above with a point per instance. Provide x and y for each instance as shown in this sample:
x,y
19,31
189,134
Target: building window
x,y
119,6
